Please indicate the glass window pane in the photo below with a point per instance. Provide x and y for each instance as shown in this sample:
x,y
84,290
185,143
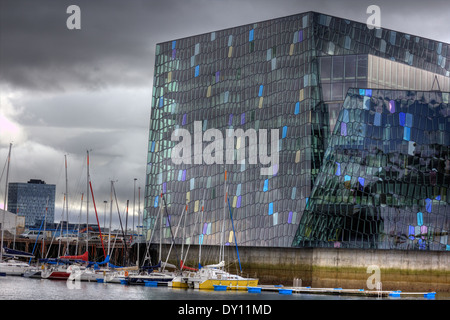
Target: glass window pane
x,y
338,68
350,67
325,69
362,67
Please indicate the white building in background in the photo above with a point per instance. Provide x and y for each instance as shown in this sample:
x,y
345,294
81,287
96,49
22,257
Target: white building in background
x,y
13,223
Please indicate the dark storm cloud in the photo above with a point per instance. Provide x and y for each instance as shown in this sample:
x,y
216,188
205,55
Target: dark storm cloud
x,y
116,42
39,52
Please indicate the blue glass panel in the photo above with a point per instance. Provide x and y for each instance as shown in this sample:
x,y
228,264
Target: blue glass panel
x,y
409,120
183,178
226,96
174,42
250,35
345,117
217,76
338,169
161,102
419,218
284,132
369,92
406,133
402,119
200,239
164,187
261,88
347,178
362,92
174,53
422,244
238,204
156,202
270,208
230,120
266,185
428,203
361,181
243,118
411,232
297,108
152,149
197,70
183,122
343,129
290,217
300,35
377,119
180,174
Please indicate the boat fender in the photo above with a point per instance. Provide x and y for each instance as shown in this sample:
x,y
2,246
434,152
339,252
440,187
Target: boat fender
x,y
126,273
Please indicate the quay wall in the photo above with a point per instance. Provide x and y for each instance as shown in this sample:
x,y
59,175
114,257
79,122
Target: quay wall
x,y
316,267
330,267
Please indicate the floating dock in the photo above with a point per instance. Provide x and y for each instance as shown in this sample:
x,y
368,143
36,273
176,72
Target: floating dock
x,y
339,291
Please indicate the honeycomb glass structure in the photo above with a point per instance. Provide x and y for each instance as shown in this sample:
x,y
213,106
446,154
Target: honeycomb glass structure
x,y
284,80
385,179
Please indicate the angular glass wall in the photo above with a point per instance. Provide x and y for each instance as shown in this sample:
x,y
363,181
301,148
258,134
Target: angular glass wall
x,y
385,180
259,76
254,77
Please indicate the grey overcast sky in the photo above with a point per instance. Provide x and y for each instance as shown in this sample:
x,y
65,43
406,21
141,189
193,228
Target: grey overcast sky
x,y
63,91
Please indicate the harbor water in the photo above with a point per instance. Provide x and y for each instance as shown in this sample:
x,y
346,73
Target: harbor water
x,y
105,299
20,288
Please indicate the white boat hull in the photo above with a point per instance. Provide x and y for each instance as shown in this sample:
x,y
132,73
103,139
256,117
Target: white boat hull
x,y
14,268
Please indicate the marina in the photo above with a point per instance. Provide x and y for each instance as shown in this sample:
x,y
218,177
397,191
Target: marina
x,y
21,288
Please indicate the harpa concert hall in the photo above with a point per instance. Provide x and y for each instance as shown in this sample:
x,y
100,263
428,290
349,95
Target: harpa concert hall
x,y
305,131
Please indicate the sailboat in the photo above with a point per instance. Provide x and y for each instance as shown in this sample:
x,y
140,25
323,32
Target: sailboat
x,y
57,269
156,274
11,266
214,275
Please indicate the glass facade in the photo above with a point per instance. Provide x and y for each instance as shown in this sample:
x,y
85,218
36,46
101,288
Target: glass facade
x,y
30,201
289,74
385,178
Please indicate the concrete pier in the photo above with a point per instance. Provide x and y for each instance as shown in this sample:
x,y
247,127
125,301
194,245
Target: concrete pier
x,y
422,271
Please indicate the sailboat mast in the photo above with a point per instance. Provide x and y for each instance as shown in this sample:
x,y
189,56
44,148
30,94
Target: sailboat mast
x,y
4,202
110,219
222,242
160,229
67,205
79,223
43,234
201,231
87,203
138,224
